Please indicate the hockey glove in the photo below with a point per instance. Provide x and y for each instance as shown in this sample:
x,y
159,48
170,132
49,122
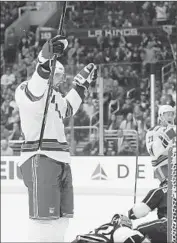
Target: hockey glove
x,y
131,214
56,45
122,220
53,46
86,76
167,136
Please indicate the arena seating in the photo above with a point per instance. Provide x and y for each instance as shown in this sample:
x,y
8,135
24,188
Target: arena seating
x,y
124,64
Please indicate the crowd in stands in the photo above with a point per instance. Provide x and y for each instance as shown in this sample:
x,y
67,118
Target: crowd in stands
x,y
119,49
92,14
9,13
125,72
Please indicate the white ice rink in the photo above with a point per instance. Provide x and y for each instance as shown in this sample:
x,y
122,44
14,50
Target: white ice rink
x,y
90,211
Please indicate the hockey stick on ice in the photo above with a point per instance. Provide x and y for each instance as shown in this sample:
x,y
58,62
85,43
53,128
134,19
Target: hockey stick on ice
x,y
50,82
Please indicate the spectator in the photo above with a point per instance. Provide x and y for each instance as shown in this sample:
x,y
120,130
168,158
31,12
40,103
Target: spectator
x,y
8,78
81,119
135,20
100,42
113,125
170,100
172,78
147,124
127,24
14,118
138,114
161,12
77,19
5,149
13,106
126,149
150,53
127,107
111,22
129,123
163,99
92,148
117,91
135,57
111,148
16,133
116,100
172,91
22,71
5,108
89,107
11,45
144,103
4,132
23,47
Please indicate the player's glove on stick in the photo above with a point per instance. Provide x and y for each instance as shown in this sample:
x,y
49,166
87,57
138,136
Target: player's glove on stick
x,y
54,46
86,76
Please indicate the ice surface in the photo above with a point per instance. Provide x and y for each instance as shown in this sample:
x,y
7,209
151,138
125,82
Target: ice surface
x,y
90,211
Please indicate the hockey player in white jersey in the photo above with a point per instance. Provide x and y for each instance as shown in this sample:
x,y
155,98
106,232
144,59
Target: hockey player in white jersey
x,y
118,230
159,139
46,170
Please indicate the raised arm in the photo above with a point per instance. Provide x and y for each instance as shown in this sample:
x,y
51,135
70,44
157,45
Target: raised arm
x,y
39,80
70,104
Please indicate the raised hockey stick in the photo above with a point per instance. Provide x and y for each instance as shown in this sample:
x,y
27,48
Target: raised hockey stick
x,y
50,82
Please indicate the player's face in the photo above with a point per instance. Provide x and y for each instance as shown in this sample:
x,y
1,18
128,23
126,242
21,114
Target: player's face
x,y
169,117
58,79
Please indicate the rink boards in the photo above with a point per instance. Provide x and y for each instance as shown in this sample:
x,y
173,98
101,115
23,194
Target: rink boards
x,y
92,175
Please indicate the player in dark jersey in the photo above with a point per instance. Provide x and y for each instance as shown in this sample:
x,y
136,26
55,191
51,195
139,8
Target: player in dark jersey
x,y
118,230
156,230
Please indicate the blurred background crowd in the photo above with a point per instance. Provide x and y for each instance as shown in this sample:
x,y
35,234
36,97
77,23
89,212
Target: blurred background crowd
x,y
125,65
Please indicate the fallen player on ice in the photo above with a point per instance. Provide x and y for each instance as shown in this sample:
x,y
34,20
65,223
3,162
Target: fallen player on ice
x,y
118,230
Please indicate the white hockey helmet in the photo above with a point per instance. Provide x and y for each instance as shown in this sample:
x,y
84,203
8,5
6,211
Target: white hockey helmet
x,y
166,114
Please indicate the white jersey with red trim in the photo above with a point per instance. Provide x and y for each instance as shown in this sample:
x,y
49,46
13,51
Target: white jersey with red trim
x,y
158,150
30,97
